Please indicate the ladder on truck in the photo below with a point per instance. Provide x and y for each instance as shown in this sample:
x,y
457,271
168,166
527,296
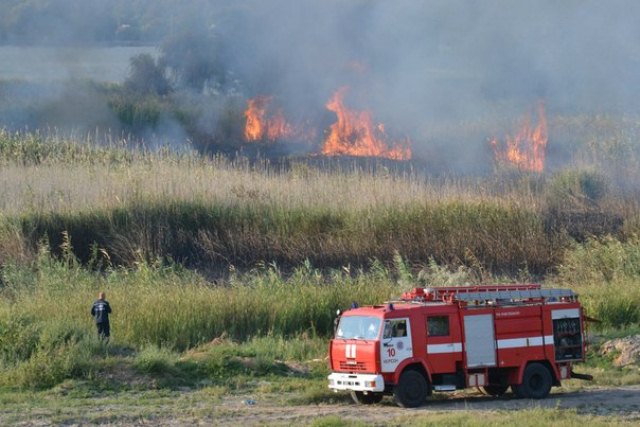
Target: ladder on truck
x,y
490,294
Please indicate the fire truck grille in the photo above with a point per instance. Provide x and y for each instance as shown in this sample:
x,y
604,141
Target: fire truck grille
x,y
351,366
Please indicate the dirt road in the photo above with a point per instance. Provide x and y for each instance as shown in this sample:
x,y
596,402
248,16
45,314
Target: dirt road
x,y
621,401
197,407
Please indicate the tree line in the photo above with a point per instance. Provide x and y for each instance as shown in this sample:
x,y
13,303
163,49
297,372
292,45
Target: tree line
x,y
38,22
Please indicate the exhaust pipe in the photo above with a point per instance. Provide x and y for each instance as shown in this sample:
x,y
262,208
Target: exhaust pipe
x,y
578,376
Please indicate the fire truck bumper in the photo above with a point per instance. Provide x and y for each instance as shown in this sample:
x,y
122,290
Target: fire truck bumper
x,y
356,382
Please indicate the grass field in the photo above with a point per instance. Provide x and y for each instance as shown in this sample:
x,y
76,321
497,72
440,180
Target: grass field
x,y
214,213
225,275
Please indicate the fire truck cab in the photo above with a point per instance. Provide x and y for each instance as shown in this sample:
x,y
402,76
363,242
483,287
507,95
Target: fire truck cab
x,y
445,339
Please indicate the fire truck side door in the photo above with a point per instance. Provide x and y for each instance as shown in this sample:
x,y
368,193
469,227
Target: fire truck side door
x,y
480,342
396,343
444,346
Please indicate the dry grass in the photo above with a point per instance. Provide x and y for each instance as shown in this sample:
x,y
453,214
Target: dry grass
x,y
219,212
68,188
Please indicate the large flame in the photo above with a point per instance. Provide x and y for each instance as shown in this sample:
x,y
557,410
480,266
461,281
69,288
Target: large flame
x,y
260,125
254,115
354,134
526,149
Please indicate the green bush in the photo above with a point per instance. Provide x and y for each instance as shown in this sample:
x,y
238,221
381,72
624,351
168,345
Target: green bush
x,y
48,367
601,260
155,360
606,273
19,336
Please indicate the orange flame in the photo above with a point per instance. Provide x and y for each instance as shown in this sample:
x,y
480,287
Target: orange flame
x,y
255,115
259,125
354,134
526,149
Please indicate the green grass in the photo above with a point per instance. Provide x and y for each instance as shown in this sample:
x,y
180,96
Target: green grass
x,y
47,334
173,307
167,318
200,359
606,273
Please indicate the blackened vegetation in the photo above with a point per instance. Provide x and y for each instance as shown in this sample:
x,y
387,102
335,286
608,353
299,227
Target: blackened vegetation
x,y
486,234
501,240
575,205
582,225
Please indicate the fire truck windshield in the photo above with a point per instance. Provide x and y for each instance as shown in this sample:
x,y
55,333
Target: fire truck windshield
x,y
358,327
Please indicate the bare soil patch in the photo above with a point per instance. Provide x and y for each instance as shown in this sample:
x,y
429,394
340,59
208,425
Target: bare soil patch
x,y
621,401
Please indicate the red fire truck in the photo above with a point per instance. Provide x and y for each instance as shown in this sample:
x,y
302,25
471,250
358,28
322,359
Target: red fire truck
x,y
449,338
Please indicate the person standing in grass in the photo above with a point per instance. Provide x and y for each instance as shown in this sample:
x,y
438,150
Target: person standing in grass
x,y
100,311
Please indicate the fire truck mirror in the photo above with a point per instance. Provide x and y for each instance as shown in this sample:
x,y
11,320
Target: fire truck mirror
x,y
387,330
336,321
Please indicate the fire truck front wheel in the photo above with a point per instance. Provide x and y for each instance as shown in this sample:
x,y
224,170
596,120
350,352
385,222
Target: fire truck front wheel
x,y
412,389
366,399
536,382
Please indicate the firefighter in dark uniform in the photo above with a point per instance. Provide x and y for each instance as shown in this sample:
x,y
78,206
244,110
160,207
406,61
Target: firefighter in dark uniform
x,y
100,311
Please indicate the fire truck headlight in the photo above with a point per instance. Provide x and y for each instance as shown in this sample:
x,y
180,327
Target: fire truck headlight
x,y
331,382
370,384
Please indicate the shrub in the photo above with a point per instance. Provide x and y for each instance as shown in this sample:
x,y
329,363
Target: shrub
x,y
146,76
601,260
19,336
605,272
155,360
48,367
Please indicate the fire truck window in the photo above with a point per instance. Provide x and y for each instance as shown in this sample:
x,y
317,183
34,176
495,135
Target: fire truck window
x,y
358,327
438,326
400,329
395,328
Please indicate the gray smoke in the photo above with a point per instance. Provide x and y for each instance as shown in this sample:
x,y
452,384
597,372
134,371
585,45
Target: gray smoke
x,y
445,58
446,72
449,74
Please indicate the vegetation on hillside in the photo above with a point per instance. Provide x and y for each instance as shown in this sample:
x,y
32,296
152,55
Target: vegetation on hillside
x,y
163,311
213,213
192,249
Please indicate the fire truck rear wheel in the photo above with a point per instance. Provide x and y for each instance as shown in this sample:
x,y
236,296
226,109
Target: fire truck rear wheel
x,y
495,390
536,382
412,389
366,399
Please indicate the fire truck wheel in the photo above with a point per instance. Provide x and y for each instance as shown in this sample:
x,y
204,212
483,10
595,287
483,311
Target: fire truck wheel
x,y
366,399
412,390
536,382
495,390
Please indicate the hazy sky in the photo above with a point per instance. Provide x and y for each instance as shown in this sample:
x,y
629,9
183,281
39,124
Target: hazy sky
x,y
441,57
